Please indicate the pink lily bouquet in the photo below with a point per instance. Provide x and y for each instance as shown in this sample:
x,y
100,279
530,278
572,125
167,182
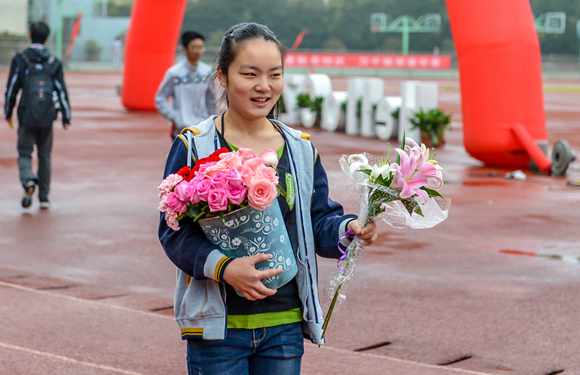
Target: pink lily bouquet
x,y
221,183
402,193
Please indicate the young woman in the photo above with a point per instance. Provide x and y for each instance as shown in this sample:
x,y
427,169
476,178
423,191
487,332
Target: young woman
x,y
262,332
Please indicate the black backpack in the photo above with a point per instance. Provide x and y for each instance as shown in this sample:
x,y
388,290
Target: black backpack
x,y
38,107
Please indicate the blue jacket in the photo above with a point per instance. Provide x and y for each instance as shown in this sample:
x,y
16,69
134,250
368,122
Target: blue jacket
x,y
200,295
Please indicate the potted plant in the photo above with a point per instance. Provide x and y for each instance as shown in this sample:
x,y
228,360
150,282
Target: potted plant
x,y
307,114
303,101
432,124
92,50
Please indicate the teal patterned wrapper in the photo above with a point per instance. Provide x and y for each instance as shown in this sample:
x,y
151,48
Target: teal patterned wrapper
x,y
247,231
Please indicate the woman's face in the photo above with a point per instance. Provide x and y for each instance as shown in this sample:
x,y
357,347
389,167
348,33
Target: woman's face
x,y
254,79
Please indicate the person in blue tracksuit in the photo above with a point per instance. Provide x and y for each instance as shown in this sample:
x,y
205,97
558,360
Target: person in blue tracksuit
x,y
262,332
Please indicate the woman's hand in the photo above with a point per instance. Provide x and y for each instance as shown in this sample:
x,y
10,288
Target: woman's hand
x,y
242,274
368,234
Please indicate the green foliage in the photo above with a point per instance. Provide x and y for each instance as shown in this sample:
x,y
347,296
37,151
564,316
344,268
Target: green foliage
x,y
431,123
396,113
316,106
119,8
345,23
566,43
334,44
8,37
303,101
282,104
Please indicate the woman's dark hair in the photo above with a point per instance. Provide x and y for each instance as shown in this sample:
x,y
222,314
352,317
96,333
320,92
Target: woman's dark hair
x,y
39,32
233,41
188,36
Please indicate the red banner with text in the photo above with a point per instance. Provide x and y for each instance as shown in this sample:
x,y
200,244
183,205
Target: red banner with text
x,y
369,61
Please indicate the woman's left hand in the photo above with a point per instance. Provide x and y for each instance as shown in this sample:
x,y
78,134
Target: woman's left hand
x,y
368,234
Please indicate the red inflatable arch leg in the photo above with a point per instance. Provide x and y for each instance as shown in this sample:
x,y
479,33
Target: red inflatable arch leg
x,y
149,49
501,81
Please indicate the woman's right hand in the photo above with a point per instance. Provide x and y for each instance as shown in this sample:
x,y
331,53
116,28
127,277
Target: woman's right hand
x,y
242,274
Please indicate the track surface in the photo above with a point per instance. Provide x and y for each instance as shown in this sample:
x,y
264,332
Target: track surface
x,y
85,287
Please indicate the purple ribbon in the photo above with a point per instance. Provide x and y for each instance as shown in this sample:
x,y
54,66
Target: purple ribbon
x,y
349,233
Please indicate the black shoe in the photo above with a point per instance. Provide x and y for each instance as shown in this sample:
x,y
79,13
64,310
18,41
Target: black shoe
x,y
28,191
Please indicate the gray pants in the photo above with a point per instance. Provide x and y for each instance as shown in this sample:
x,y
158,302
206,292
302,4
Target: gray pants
x,y
42,138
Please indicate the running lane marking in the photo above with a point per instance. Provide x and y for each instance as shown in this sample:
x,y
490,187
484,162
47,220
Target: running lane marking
x,y
51,294
330,348
67,359
398,360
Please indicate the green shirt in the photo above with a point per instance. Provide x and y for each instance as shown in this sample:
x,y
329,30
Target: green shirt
x,y
269,319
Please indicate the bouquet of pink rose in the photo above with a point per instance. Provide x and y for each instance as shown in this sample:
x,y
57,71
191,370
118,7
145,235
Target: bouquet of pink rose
x,y
221,183
232,195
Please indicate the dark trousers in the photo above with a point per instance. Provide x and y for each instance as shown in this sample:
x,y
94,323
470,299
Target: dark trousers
x,y
42,138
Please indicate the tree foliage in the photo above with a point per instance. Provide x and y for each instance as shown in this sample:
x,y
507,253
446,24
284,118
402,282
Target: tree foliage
x,y
346,23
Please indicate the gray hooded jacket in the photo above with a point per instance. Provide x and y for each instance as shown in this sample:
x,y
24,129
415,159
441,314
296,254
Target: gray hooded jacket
x,y
200,307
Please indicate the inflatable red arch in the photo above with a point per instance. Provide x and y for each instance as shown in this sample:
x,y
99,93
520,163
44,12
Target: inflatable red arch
x,y
499,64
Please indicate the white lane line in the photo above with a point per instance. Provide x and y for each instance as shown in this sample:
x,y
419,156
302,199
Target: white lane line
x,y
51,294
398,360
344,351
67,359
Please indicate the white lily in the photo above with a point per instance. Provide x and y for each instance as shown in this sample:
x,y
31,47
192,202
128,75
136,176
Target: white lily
x,y
357,162
382,171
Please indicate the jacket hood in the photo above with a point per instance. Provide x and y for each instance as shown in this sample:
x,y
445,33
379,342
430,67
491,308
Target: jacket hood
x,y
42,54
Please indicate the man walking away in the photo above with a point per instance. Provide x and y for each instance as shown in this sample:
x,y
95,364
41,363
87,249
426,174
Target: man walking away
x,y
39,74
185,83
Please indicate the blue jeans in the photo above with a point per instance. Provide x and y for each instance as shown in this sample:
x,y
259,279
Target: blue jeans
x,y
263,351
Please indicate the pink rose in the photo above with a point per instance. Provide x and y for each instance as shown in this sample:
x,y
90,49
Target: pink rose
x,y
231,159
261,194
203,188
205,166
236,194
171,220
198,177
219,181
254,164
219,167
270,157
234,177
247,173
191,192
217,200
180,190
169,183
268,173
176,204
246,154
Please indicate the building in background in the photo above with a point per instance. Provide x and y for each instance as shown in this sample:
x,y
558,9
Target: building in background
x,y
14,17
13,29
98,30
